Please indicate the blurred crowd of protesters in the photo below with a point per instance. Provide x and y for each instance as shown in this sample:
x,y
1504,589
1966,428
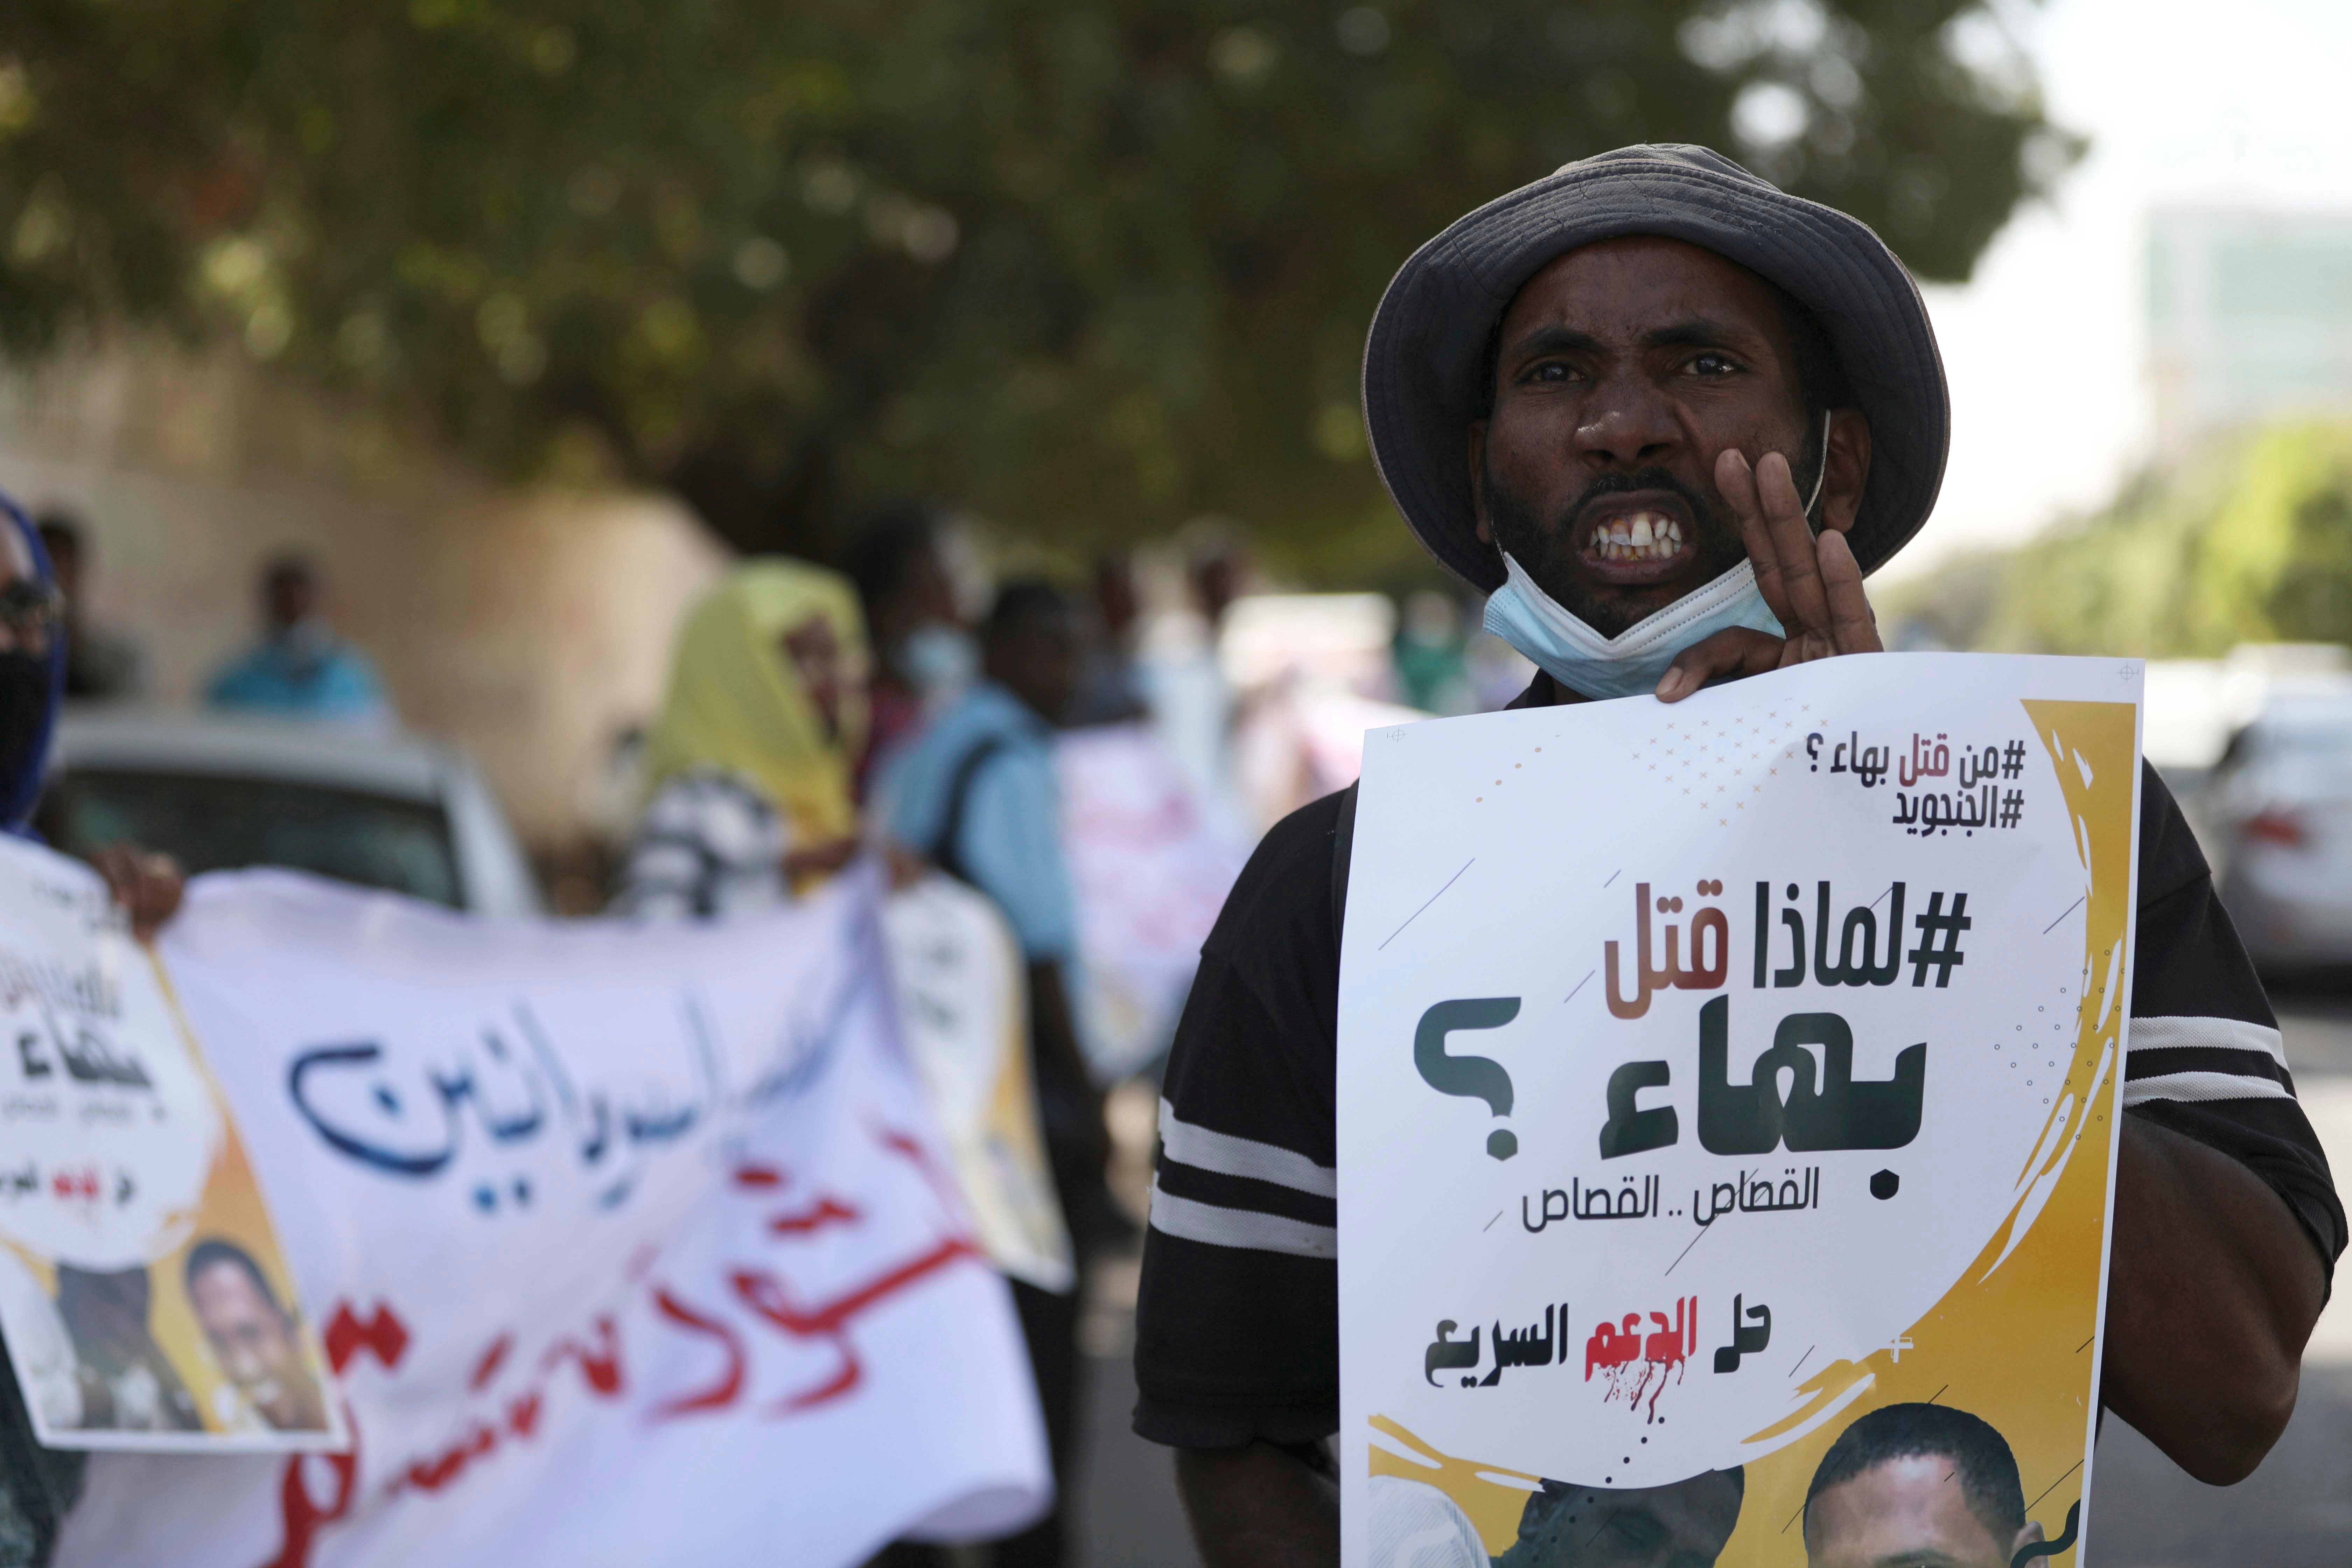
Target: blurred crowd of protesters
x,y
811,714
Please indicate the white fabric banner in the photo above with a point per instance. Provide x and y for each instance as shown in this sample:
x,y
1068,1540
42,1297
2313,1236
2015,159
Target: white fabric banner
x,y
629,1244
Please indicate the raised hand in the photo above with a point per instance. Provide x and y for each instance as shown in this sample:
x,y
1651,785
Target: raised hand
x,y
1813,585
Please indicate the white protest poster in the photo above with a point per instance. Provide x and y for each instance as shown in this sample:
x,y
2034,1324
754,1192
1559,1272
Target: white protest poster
x,y
630,1244
1727,1094
142,1292
962,991
1150,865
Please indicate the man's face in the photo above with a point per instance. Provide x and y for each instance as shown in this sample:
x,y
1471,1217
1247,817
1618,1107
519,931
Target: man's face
x,y
1622,371
254,1345
1906,1513
1037,660
815,653
1682,1526
290,598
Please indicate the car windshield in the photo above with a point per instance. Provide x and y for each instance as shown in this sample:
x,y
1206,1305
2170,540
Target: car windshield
x,y
213,822
2311,747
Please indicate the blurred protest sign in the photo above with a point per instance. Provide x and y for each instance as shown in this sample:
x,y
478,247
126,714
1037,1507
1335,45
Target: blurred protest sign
x,y
1714,1076
1152,869
632,1244
142,1293
963,1008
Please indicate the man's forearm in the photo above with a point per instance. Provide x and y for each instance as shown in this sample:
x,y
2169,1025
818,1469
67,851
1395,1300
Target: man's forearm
x,y
1258,1508
2213,1290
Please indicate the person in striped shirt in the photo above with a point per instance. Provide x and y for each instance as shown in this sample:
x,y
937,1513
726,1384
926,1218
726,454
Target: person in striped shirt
x,y
1605,396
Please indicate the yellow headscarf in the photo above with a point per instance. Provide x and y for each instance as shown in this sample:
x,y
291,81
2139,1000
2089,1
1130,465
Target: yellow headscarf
x,y
737,702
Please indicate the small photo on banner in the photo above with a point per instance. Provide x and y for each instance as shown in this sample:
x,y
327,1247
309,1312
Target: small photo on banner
x,y
144,1295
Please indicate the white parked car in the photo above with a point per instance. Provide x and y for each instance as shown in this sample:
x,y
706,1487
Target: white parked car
x,y
394,811
2279,807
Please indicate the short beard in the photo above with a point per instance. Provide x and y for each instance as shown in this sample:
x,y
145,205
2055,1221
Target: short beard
x,y
1546,550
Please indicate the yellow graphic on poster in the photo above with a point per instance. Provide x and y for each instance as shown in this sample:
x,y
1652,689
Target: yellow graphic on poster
x,y
144,1296
1729,1171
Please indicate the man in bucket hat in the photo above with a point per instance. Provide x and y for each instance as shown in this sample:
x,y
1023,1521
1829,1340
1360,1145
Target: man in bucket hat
x,y
1669,417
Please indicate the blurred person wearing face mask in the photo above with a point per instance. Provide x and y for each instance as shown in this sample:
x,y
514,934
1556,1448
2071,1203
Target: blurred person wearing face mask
x,y
750,761
923,657
38,1485
301,669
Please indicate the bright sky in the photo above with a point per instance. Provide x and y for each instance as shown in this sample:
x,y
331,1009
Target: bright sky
x,y
2236,103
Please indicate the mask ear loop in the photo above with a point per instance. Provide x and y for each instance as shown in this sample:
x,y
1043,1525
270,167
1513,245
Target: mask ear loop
x,y
1822,477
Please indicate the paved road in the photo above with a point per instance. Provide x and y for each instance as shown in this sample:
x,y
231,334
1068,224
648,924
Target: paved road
x,y
2294,1512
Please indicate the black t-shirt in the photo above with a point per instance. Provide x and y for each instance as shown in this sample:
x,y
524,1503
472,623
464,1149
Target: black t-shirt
x,y
1237,1325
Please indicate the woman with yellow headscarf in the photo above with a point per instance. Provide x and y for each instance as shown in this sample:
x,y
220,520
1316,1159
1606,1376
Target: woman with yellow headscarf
x,y
750,762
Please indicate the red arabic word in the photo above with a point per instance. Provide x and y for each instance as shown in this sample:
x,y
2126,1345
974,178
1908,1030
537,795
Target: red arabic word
x,y
1627,1357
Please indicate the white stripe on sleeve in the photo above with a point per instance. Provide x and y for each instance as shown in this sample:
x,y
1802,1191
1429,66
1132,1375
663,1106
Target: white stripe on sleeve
x,y
1217,1225
1191,1144
2218,1034
2192,1088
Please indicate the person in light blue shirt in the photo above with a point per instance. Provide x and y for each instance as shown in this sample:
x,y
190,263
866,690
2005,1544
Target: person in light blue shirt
x,y
976,793
301,670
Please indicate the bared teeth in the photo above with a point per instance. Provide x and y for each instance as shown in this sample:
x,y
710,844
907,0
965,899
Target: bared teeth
x,y
1638,536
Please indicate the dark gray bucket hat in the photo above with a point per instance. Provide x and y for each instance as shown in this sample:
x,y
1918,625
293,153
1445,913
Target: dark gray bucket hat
x,y
1427,347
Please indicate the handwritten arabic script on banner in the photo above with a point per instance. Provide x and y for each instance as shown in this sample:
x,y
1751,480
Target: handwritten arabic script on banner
x,y
631,1243
1729,1100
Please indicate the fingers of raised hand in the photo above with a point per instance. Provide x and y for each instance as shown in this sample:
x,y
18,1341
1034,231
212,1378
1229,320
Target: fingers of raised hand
x,y
1792,547
1851,627
1733,652
1736,482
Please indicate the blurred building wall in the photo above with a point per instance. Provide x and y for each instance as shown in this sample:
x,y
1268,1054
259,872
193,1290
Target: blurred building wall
x,y
2250,318
529,626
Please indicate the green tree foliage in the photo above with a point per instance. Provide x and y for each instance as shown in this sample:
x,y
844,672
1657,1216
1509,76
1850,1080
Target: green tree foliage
x,y
2249,541
1091,265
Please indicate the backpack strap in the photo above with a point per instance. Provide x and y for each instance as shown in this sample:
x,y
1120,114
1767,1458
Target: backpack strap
x,y
944,853
1343,848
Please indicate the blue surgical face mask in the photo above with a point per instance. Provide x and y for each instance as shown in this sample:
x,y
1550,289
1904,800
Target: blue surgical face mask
x,y
942,660
1631,663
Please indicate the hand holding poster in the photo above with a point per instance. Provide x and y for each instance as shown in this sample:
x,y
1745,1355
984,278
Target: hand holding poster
x,y
1729,1095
